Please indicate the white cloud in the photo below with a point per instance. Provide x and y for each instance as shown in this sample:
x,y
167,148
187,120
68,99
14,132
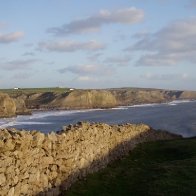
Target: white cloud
x,y
29,54
17,64
165,77
118,60
157,60
71,46
88,70
93,23
10,37
95,56
86,79
169,46
185,76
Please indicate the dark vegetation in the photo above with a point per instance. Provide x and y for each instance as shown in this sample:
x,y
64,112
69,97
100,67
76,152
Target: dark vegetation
x,y
154,168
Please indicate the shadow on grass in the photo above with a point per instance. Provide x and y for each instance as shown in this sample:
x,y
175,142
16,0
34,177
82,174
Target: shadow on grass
x,y
116,153
164,168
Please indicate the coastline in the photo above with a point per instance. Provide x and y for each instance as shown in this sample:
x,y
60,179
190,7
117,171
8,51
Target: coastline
x,y
165,116
106,108
25,101
45,109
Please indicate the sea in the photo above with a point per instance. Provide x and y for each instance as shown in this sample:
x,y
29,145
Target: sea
x,y
176,117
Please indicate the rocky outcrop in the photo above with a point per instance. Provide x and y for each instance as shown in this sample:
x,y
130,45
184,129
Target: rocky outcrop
x,y
10,107
21,106
32,163
85,99
129,97
135,96
7,106
188,95
78,99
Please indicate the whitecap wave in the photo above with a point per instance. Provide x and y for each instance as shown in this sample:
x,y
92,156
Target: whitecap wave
x,y
31,119
120,108
44,114
172,104
144,105
176,102
16,123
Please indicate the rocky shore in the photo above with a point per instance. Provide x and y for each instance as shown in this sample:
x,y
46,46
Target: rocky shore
x,y
33,163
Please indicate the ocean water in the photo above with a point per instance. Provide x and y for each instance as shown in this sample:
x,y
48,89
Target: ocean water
x,y
177,117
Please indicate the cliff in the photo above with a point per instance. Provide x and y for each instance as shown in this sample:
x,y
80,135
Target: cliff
x,y
7,106
107,98
10,107
188,95
32,163
21,108
78,99
85,99
140,96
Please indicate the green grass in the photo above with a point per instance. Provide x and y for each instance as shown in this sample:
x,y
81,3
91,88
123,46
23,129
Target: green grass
x,y
155,168
27,91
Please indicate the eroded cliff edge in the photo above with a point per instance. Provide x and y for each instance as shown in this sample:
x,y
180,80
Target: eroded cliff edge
x,y
32,163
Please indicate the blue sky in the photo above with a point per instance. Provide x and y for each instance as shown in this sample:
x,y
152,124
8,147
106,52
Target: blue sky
x,y
88,44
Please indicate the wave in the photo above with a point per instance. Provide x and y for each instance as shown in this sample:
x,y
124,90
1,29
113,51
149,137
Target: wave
x,y
172,104
27,119
120,108
181,101
175,102
43,114
38,116
16,123
145,105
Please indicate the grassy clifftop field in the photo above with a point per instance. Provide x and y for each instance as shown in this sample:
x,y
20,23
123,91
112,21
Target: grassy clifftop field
x,y
156,168
28,91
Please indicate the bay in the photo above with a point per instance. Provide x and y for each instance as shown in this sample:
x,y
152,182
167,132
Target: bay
x,y
177,117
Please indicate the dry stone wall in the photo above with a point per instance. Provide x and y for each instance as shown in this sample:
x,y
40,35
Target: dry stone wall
x,y
32,163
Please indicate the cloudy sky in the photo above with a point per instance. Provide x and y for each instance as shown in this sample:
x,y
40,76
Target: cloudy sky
x,y
98,44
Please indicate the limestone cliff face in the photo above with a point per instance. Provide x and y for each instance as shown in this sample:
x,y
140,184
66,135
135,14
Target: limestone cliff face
x,y
130,97
32,162
81,99
7,106
85,99
21,106
188,95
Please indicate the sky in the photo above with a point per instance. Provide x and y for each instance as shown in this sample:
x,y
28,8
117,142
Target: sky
x,y
98,44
